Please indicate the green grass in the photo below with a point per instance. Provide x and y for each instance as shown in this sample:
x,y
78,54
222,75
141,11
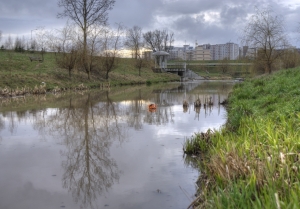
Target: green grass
x,y
16,71
254,161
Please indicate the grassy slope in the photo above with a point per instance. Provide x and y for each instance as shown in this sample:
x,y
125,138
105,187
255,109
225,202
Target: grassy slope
x,y
254,161
16,70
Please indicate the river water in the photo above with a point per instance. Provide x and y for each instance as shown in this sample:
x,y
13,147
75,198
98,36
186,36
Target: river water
x,y
104,149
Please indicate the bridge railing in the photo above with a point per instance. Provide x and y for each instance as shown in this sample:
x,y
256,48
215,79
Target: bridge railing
x,y
176,65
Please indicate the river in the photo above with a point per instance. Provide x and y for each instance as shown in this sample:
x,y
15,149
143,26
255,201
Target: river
x,y
104,149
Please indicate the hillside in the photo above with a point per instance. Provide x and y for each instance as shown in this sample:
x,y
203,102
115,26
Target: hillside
x,y
17,71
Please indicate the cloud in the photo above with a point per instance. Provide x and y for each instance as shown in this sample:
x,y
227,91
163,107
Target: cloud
x,y
28,9
211,21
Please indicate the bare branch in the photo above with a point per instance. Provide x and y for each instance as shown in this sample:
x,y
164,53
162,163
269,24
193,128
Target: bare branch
x,y
110,49
159,40
86,14
265,32
134,41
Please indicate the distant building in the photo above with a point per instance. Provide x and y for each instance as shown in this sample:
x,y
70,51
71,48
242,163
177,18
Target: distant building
x,y
231,51
202,52
205,52
246,52
222,51
181,53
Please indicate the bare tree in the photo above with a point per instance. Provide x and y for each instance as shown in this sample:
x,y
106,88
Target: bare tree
x,y
224,65
8,43
0,35
110,49
86,13
141,62
53,41
66,48
159,40
42,38
19,44
33,45
265,32
94,48
134,41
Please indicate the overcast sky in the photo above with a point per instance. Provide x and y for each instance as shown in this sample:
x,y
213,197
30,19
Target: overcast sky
x,y
204,21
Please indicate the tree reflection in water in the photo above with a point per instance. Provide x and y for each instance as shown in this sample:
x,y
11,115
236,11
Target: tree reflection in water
x,y
134,116
88,129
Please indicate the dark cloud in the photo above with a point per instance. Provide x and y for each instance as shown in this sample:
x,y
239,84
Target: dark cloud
x,y
28,9
18,18
212,21
134,12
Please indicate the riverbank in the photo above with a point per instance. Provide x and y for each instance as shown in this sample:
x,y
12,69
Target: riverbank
x,y
254,160
19,74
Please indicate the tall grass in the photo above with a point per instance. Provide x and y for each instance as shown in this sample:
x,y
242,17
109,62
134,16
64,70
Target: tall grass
x,y
254,161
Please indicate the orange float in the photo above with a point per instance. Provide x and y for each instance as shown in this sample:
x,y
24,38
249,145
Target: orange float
x,y
152,107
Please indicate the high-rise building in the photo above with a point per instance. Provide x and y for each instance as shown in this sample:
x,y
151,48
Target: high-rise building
x,y
222,51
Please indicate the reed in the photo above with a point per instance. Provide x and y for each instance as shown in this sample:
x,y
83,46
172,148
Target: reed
x,y
254,160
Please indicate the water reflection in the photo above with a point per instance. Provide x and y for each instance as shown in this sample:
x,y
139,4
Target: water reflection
x,y
88,129
88,125
133,113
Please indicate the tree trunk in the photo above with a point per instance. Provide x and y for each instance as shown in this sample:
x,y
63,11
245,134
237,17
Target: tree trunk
x,y
85,59
89,74
106,76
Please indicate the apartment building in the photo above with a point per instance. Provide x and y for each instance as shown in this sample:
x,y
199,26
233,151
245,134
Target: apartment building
x,y
202,52
231,51
205,52
222,51
183,53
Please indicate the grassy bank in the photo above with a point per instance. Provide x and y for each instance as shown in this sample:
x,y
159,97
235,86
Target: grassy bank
x,y
17,71
116,94
254,160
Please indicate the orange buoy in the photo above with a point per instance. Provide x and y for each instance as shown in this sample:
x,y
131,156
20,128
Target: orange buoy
x,y
152,106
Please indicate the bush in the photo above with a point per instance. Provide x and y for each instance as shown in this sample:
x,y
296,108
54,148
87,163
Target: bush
x,y
148,82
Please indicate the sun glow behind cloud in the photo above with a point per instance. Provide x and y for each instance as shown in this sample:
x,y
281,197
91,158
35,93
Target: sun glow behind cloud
x,y
212,17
